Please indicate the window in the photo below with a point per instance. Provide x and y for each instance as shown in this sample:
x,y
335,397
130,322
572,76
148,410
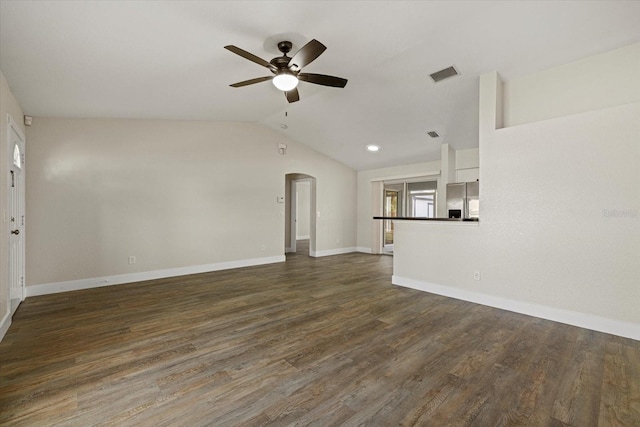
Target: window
x,y
16,156
421,200
410,199
422,205
390,210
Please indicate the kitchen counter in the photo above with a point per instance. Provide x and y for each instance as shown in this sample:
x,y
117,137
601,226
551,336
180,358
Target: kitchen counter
x,y
405,218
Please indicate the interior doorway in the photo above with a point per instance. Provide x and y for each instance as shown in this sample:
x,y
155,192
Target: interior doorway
x,y
393,207
390,209
16,146
300,218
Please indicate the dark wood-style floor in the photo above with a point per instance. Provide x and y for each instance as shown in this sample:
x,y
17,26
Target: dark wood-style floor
x,y
322,342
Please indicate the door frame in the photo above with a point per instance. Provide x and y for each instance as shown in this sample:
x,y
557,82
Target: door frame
x,y
294,212
399,194
291,210
13,127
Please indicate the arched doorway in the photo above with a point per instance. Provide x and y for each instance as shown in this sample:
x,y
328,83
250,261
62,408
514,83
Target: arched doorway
x,y
300,218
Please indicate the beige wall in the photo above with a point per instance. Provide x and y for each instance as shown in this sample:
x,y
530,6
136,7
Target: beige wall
x,y
171,193
8,105
467,165
593,83
558,235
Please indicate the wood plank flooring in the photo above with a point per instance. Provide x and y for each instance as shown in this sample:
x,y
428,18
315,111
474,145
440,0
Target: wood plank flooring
x,y
318,342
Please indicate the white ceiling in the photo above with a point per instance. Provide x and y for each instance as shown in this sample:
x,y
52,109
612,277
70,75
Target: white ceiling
x,y
165,60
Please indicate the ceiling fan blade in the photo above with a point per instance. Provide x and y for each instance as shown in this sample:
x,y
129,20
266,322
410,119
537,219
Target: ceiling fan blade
x,y
252,81
307,54
250,57
322,79
292,95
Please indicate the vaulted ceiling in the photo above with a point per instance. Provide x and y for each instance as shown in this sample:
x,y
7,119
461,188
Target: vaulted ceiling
x,y
165,60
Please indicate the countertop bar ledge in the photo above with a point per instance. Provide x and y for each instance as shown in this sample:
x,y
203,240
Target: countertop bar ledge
x,y
406,218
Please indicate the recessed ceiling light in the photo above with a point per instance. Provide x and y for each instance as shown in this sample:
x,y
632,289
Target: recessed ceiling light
x,y
373,148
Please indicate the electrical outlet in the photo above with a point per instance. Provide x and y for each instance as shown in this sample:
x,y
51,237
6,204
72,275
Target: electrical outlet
x,y
476,275
132,260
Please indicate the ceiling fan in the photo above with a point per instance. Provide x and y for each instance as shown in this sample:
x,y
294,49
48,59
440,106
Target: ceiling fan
x,y
287,70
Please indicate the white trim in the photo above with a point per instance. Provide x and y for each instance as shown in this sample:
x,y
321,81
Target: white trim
x,y
293,215
96,282
287,250
302,237
330,252
13,124
4,325
407,176
364,250
574,318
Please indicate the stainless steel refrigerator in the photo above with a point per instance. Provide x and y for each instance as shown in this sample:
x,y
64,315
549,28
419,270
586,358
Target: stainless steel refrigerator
x,y
463,200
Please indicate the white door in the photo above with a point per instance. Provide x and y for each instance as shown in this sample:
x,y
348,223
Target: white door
x,y
16,216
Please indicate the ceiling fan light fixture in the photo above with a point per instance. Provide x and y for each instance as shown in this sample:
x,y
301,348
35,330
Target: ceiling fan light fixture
x,y
287,70
285,81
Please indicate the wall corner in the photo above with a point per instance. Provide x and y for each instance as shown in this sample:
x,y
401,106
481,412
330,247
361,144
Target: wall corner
x,y
491,109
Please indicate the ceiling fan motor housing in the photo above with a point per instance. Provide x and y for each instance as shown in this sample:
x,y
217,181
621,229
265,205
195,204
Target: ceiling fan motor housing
x,y
285,46
282,62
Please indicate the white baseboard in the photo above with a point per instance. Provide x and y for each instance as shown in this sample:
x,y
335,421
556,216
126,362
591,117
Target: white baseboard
x,y
328,252
4,325
287,250
364,250
96,282
302,237
582,320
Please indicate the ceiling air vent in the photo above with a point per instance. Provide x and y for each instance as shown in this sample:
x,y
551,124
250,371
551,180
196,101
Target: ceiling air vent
x,y
433,134
438,76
